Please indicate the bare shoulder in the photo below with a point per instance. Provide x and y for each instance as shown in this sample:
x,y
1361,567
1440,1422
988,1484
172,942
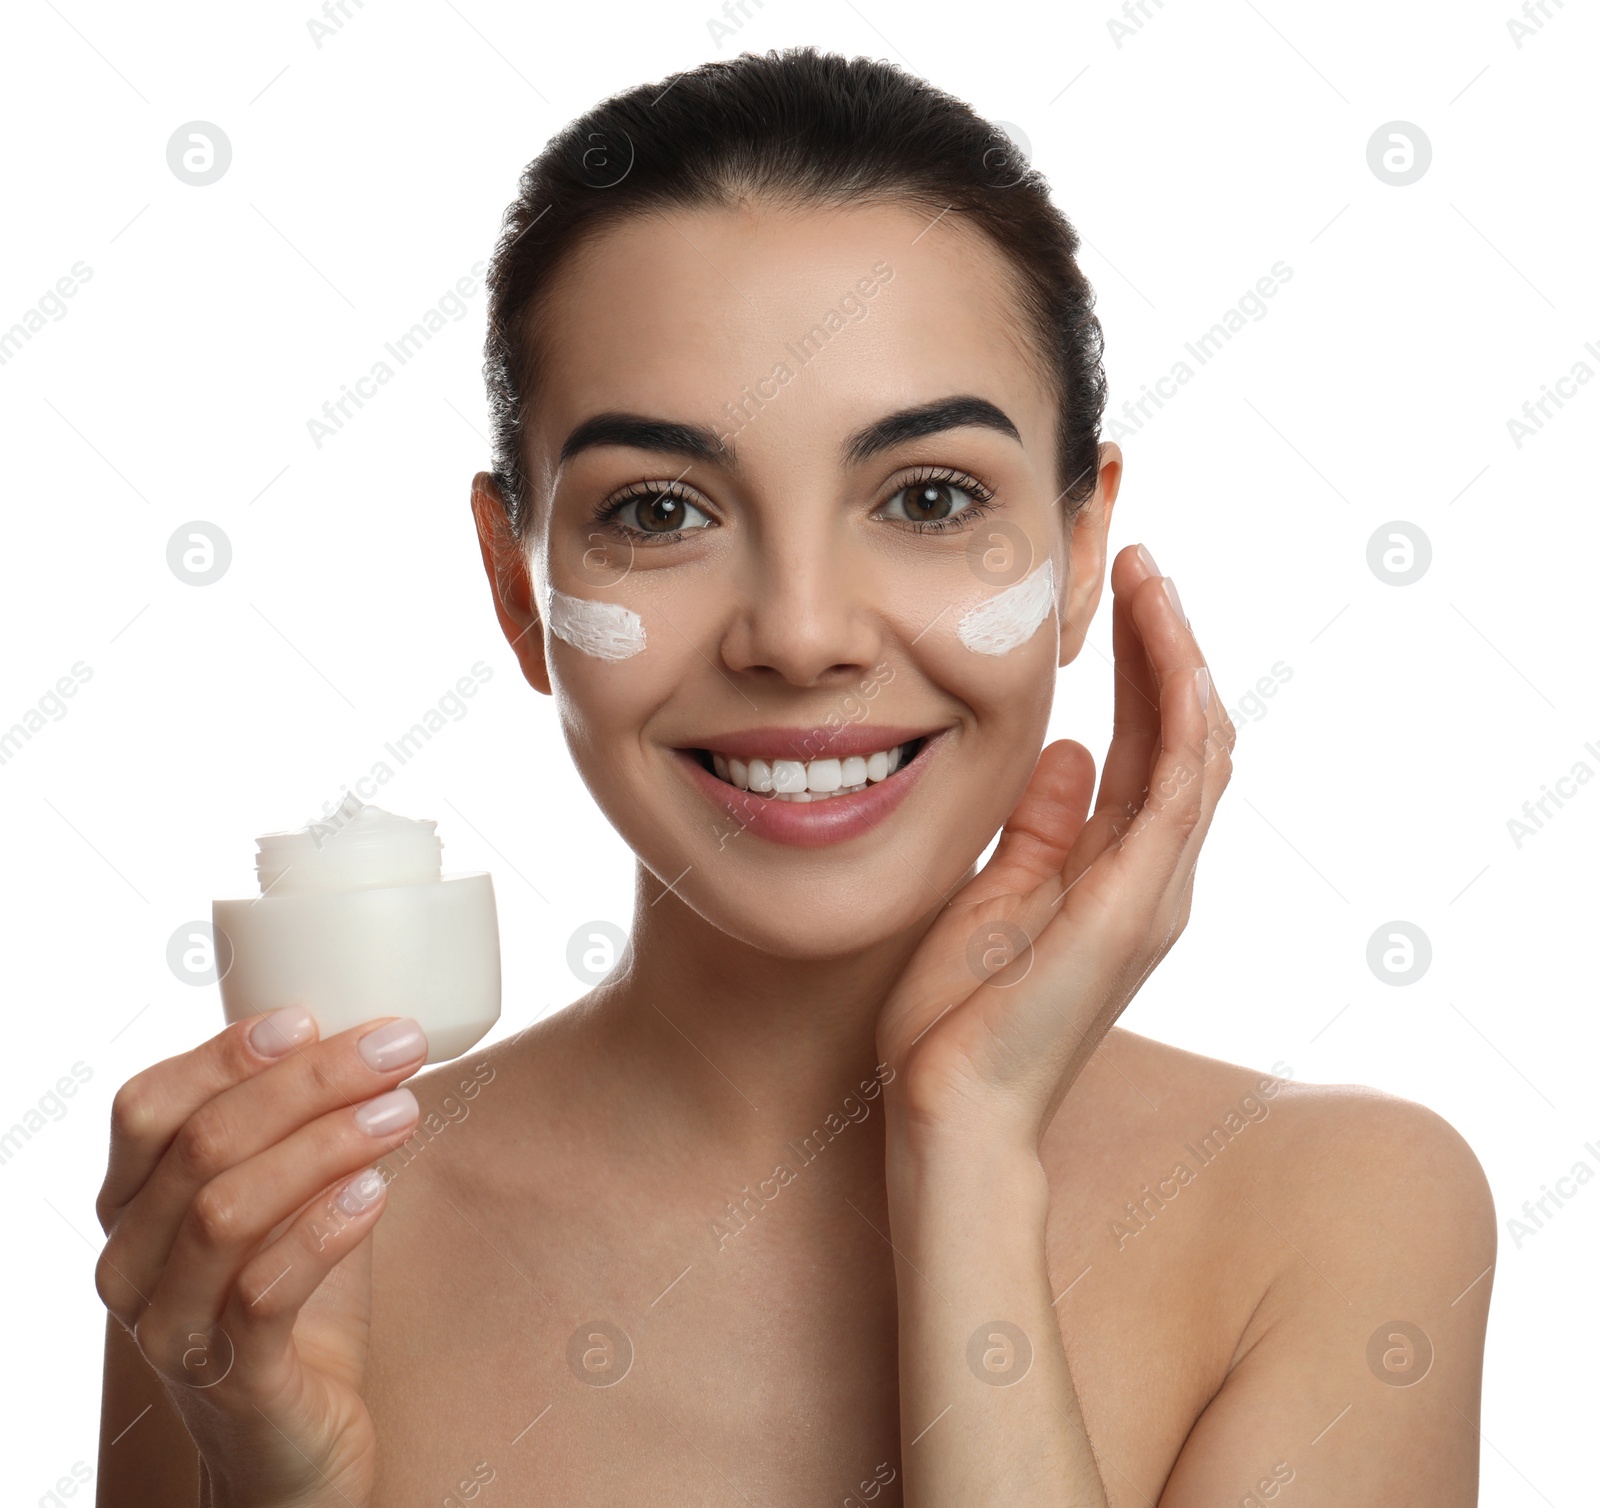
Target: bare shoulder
x,y
1373,1157
1376,1180
1312,1252
1345,1157
529,1063
473,1117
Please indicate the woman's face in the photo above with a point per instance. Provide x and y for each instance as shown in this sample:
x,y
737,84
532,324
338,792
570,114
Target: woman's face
x,y
797,507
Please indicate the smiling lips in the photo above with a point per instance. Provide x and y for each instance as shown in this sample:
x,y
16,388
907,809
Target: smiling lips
x,y
809,786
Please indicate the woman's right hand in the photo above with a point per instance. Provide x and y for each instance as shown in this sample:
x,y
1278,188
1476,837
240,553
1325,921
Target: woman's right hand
x,y
228,1203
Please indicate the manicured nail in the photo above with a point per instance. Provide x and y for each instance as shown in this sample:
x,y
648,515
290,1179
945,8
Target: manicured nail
x,y
272,1036
1170,587
1148,560
361,1192
1202,681
387,1112
390,1046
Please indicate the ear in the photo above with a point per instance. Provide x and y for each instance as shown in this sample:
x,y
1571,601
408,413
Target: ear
x,y
1086,554
510,580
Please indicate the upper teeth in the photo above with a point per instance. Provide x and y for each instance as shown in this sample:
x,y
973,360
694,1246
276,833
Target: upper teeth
x,y
794,780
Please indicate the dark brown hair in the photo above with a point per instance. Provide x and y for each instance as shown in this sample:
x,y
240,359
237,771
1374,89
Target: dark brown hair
x,y
797,127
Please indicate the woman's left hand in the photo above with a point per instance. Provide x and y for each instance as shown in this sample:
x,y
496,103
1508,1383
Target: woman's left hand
x,y
1018,981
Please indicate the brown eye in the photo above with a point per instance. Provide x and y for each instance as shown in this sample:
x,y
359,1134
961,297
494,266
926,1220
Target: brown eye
x,y
928,500
660,512
936,500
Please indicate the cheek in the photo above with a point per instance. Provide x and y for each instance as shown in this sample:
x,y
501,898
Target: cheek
x,y
589,604
612,664
611,658
1010,618
623,646
988,645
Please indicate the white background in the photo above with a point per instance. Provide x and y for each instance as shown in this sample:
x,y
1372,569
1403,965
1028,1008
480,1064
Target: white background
x,y
368,174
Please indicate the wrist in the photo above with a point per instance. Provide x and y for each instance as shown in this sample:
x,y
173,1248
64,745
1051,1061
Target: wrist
x,y
970,1158
962,1220
939,1103
959,1126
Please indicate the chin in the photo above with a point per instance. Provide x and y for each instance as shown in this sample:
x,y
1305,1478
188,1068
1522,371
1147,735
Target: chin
x,y
810,924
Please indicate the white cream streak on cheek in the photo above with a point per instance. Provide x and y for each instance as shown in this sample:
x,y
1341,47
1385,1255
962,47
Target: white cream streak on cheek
x,y
606,630
1010,617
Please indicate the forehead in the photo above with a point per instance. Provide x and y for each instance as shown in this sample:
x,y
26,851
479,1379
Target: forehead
x,y
686,314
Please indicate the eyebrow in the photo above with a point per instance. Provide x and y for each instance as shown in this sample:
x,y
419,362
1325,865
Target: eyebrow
x,y
638,432
927,419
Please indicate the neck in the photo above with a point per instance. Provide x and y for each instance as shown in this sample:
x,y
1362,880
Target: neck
x,y
729,1043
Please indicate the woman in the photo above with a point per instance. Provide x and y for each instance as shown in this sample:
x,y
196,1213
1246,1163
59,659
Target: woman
x,y
843,1186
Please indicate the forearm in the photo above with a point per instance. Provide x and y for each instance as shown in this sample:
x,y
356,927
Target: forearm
x,y
988,1410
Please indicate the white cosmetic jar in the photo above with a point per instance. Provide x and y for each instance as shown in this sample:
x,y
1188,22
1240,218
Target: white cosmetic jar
x,y
357,921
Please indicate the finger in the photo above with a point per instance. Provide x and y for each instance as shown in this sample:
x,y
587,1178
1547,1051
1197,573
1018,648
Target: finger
x,y
1047,834
236,1212
1129,913
275,1284
242,1348
1151,871
1136,721
1175,815
1043,826
1215,771
1167,766
148,1109
1168,929
1173,645
1211,758
1136,716
240,1123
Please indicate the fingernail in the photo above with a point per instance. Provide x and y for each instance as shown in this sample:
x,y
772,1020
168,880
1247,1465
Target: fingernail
x,y
361,1193
390,1046
272,1036
1202,681
387,1112
1170,587
1149,561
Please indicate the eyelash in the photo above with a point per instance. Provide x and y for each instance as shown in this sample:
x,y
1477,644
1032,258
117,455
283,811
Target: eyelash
x,y
983,498
606,513
983,502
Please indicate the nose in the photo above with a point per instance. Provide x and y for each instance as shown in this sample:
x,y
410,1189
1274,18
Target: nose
x,y
805,609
